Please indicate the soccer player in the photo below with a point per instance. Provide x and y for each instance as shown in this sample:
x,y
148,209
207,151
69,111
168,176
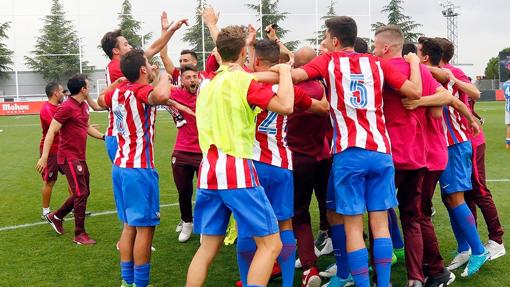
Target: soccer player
x,y
71,121
135,178
273,163
506,90
228,183
362,175
55,95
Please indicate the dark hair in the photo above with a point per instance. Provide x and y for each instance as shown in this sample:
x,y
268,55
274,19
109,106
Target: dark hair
x,y
192,53
430,47
344,29
230,42
76,83
50,88
267,51
408,48
109,41
447,47
186,68
131,63
360,46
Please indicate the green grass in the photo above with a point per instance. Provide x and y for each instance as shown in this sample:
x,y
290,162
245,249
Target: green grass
x,y
37,256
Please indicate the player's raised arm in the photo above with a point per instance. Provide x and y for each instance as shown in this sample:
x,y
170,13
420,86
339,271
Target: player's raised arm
x,y
101,98
165,37
161,92
163,54
48,141
283,102
211,20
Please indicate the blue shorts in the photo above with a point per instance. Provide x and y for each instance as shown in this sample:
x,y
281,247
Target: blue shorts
x,y
457,175
361,180
278,183
111,146
136,192
250,206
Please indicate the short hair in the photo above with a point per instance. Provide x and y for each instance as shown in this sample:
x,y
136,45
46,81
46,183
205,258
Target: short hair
x,y
360,46
230,42
51,87
409,47
131,63
393,32
268,51
344,29
430,47
109,41
447,47
191,52
76,83
186,68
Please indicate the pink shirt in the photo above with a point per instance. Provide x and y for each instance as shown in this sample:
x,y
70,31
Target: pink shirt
x,y
437,150
187,135
407,128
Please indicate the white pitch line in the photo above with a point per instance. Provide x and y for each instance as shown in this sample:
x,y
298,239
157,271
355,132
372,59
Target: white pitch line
x,y
108,212
499,180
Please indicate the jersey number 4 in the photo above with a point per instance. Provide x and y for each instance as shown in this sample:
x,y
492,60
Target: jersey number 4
x,y
358,96
266,126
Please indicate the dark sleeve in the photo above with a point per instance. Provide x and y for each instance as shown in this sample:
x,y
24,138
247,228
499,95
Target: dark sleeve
x,y
392,76
259,95
301,100
63,113
143,93
318,67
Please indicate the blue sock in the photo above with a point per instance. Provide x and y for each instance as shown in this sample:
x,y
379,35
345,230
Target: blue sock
x,y
339,250
246,249
127,271
383,251
396,236
466,222
142,274
358,263
287,257
462,244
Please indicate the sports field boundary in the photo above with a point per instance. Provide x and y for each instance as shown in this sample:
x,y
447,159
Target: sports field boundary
x,y
100,213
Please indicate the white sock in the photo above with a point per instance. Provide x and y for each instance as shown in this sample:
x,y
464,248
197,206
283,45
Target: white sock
x,y
46,210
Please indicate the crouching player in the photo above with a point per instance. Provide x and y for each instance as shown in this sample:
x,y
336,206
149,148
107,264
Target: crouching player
x,y
135,180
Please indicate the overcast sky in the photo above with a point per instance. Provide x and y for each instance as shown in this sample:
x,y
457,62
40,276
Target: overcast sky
x,y
482,32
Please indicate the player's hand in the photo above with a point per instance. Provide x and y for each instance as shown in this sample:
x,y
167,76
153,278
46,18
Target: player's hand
x,y
252,36
280,68
41,164
209,15
475,128
412,58
271,32
449,73
164,21
410,104
176,25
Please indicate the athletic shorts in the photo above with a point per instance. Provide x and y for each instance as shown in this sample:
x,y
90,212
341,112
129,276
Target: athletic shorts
x,y
507,118
361,180
111,146
50,173
78,177
278,183
250,206
136,192
457,174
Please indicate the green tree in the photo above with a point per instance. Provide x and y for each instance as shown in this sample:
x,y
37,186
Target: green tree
x,y
492,67
320,34
396,16
57,50
193,35
5,53
130,27
271,15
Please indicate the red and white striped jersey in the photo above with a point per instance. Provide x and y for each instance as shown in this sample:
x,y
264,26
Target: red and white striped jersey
x,y
113,72
453,123
134,121
221,171
355,83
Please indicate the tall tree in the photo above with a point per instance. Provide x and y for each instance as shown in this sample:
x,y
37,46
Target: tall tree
x,y
492,67
320,34
396,16
5,53
130,27
271,15
193,35
57,50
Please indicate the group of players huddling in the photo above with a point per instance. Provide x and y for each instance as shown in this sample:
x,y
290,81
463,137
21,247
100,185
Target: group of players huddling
x,y
254,127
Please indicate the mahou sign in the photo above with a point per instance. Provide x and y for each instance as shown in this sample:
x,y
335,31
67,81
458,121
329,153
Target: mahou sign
x,y
20,108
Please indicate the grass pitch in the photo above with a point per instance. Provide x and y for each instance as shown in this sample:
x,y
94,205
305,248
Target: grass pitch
x,y
35,255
